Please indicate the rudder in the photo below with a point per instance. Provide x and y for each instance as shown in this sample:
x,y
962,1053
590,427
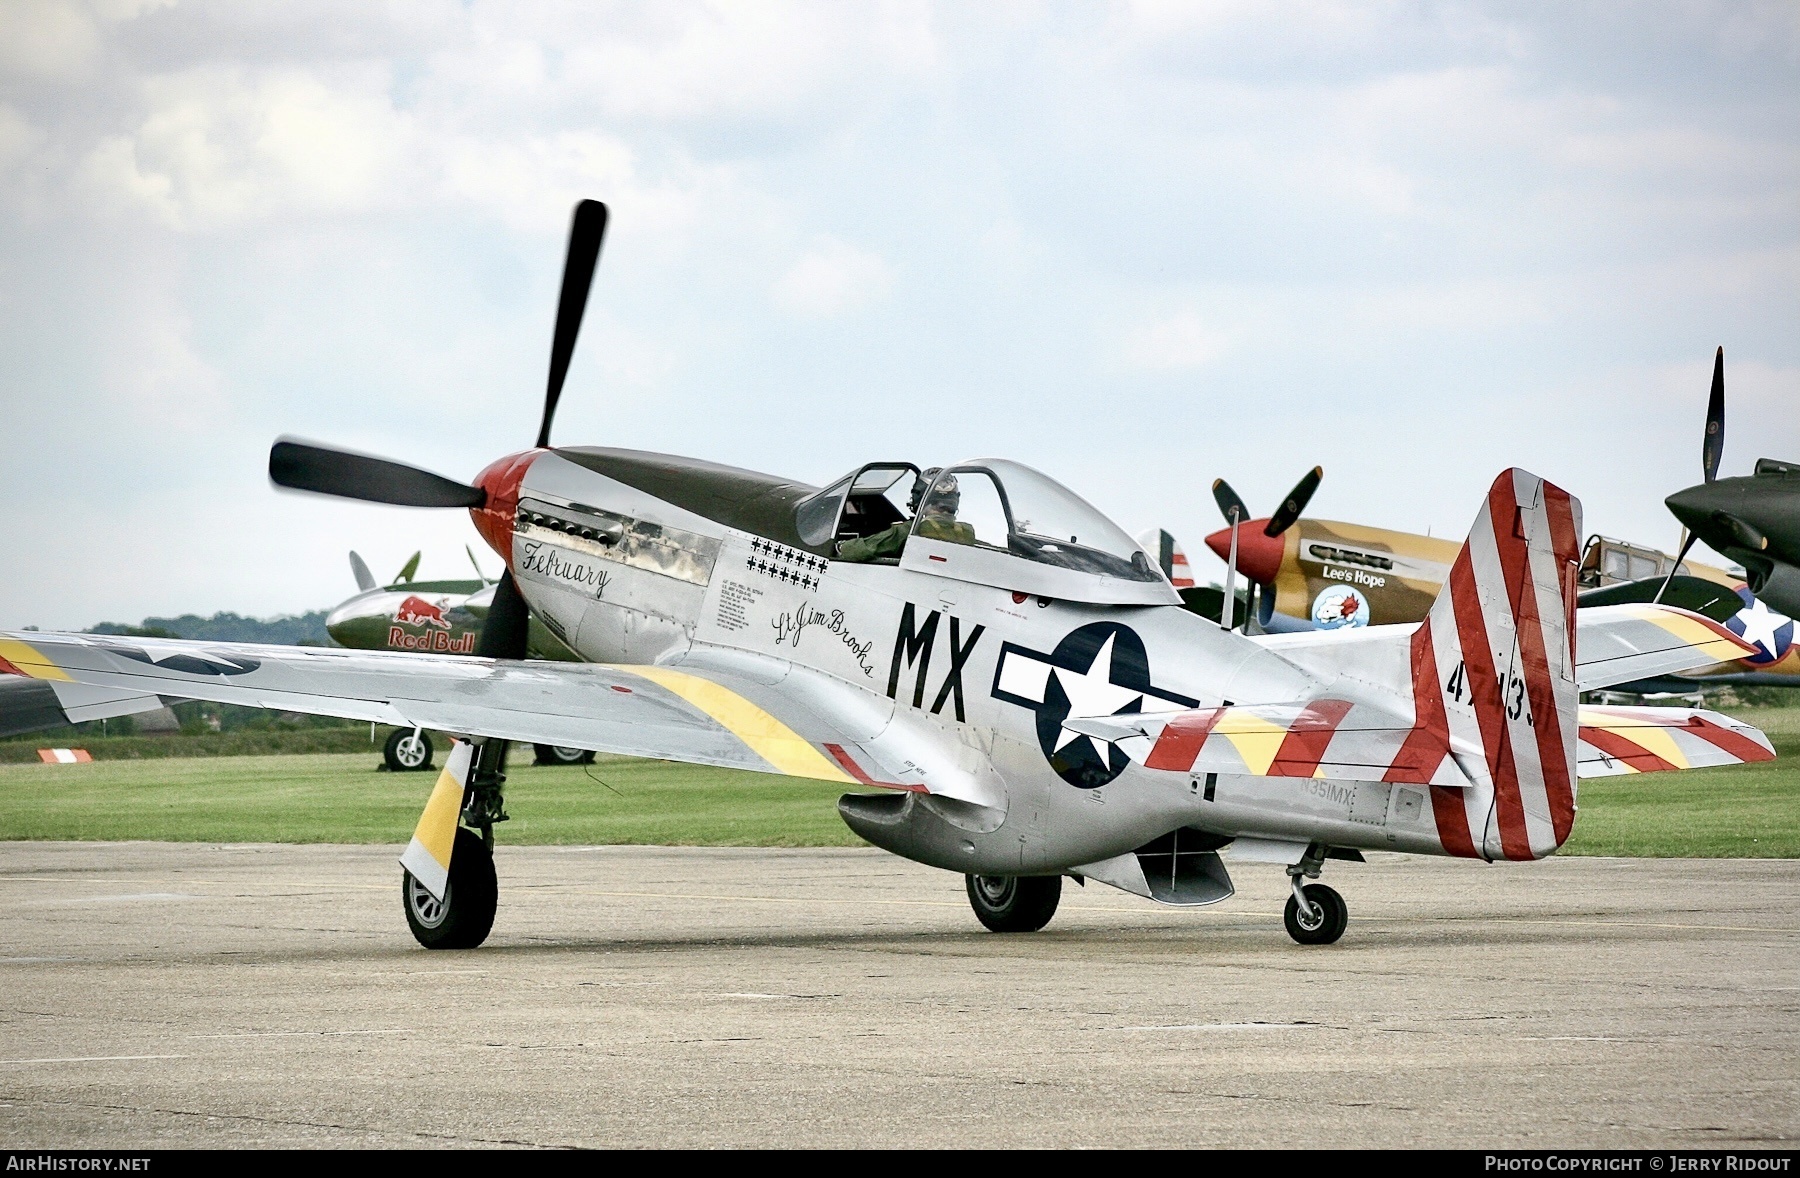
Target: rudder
x,y
1494,674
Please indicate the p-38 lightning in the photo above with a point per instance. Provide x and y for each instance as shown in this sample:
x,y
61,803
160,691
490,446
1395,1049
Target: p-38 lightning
x,y
1005,682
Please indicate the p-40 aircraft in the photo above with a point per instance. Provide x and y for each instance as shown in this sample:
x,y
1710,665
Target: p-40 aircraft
x,y
1006,683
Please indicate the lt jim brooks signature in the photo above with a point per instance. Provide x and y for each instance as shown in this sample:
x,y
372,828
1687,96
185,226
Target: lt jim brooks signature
x,y
791,624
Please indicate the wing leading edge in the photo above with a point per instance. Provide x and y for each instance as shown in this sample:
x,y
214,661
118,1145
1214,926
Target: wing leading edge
x,y
727,716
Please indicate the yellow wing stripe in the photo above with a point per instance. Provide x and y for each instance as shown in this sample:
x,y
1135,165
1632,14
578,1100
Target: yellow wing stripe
x,y
28,660
1703,638
767,737
1255,739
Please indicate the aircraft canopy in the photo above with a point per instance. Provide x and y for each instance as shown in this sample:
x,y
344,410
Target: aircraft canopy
x,y
995,522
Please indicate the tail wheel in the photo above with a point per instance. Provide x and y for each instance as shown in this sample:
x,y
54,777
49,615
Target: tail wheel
x,y
465,916
407,751
1323,920
556,754
1014,903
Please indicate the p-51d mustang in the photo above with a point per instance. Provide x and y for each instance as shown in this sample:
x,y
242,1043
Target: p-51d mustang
x,y
1018,695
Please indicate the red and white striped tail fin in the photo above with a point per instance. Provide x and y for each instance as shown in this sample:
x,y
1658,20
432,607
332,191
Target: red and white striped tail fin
x,y
1169,557
1493,670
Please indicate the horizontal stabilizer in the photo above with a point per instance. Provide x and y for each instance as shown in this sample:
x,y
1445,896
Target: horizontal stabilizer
x,y
1325,738
1656,740
1624,643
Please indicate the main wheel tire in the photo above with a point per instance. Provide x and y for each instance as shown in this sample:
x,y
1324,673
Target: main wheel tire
x,y
1014,903
465,916
556,754
1325,920
405,753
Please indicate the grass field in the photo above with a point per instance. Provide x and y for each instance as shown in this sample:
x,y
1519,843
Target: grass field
x,y
342,799
1744,811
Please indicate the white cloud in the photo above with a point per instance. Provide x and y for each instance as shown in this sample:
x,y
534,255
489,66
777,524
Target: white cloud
x,y
217,147
833,278
47,39
1181,342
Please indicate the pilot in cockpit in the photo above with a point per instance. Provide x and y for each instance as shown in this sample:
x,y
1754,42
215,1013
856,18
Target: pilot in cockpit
x,y
936,521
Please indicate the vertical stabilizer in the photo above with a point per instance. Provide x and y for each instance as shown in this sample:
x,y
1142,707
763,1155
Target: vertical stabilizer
x,y
1493,670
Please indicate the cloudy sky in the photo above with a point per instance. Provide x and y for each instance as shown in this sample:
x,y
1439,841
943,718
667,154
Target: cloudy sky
x,y
1137,245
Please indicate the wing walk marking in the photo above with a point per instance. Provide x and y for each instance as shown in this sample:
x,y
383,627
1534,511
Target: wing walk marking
x,y
26,660
767,737
1706,636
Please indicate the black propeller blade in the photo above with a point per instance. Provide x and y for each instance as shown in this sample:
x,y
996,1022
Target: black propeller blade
x,y
585,233
306,467
1675,568
1713,448
1295,503
505,632
1228,502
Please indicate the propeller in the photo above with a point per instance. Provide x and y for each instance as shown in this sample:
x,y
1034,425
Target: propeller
x,y
485,579
1231,506
586,230
302,466
1289,512
365,580
409,568
325,470
1712,449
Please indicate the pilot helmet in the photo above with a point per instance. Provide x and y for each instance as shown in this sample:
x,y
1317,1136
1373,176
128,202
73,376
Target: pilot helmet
x,y
920,483
946,494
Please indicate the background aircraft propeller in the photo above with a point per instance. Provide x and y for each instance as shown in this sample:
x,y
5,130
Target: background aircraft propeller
x,y
305,466
1712,449
1231,506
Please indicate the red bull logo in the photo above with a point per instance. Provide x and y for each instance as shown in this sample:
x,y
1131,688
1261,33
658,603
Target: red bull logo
x,y
416,611
432,640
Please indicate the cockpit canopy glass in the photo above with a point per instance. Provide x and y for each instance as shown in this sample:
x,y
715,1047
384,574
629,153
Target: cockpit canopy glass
x,y
861,502
998,504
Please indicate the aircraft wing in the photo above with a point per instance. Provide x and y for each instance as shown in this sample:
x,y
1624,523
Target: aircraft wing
x,y
734,712
1624,643
1655,740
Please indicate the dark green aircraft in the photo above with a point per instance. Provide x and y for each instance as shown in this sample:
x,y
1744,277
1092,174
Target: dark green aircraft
x,y
443,617
1753,519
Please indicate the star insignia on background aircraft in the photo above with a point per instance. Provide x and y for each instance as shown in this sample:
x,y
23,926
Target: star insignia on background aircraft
x,y
1771,633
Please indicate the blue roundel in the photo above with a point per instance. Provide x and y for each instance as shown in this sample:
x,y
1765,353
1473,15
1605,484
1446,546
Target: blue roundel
x,y
1771,633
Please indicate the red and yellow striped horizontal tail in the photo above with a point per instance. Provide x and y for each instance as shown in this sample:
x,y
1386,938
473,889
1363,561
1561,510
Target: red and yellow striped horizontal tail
x,y
1494,677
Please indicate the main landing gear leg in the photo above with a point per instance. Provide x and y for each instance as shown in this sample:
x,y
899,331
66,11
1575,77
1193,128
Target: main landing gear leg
x,y
464,916
1316,914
